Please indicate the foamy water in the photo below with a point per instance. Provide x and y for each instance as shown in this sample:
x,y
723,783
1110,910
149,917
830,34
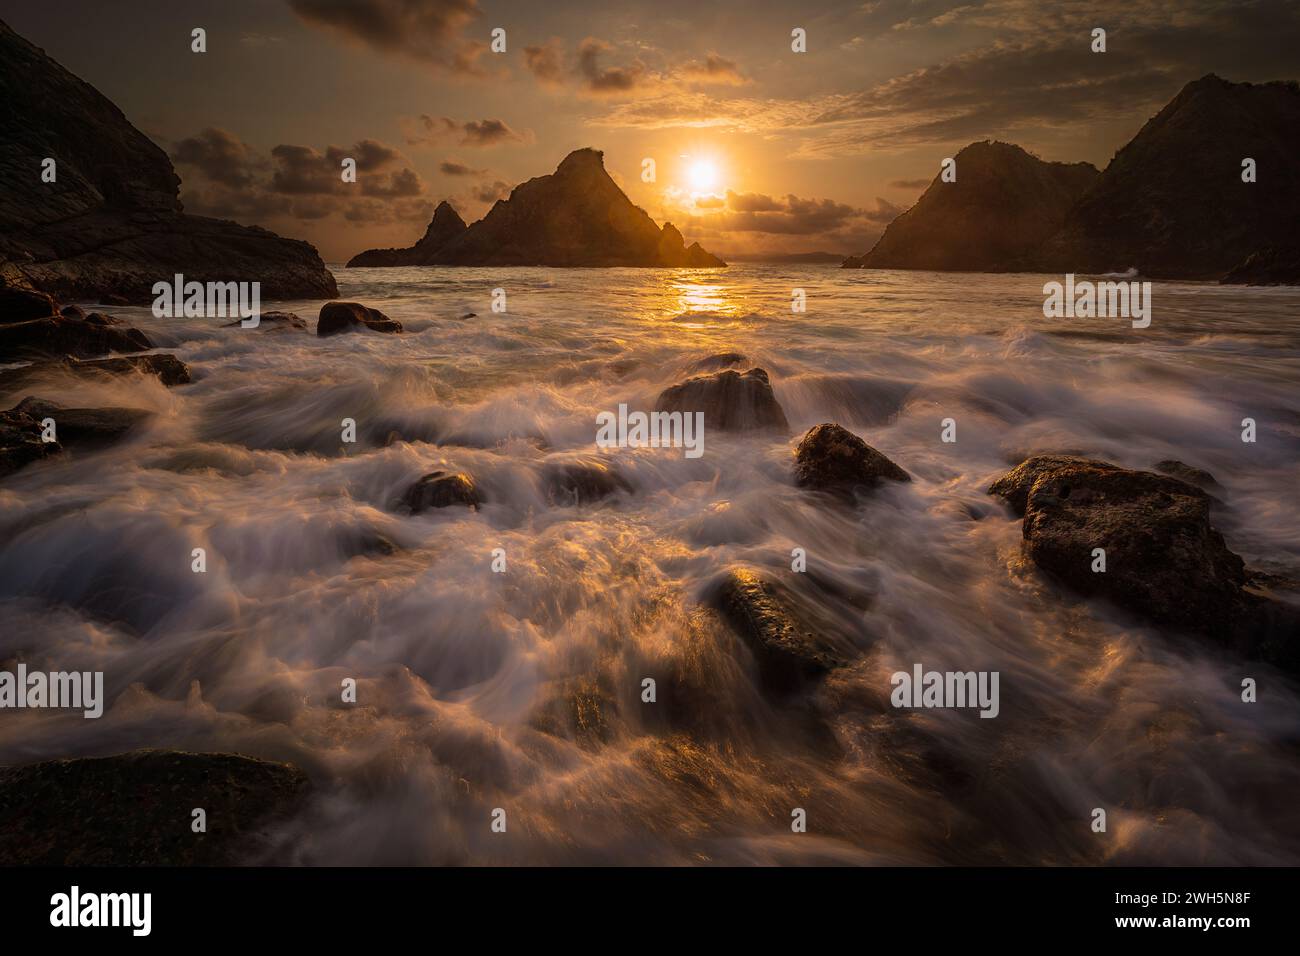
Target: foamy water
x,y
522,690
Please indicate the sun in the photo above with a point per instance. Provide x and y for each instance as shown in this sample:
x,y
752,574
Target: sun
x,y
703,175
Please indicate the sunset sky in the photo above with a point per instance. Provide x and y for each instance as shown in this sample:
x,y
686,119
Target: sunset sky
x,y
758,148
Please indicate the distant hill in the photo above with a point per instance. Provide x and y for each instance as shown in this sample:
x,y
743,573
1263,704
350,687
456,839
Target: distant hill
x,y
1003,205
576,216
112,221
445,226
1171,203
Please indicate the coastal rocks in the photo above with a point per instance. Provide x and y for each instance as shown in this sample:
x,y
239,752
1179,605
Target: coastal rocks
x,y
832,458
83,426
788,653
337,317
445,226
1275,265
1003,205
106,811
1163,559
441,489
169,369
576,216
20,441
729,400
18,304
113,224
1184,472
581,481
274,322
58,335
717,361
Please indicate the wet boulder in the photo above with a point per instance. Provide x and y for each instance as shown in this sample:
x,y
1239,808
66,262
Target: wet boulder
x,y
20,441
831,458
729,400
134,809
1184,472
273,321
1164,561
18,304
83,426
442,489
59,335
338,317
788,652
581,481
169,369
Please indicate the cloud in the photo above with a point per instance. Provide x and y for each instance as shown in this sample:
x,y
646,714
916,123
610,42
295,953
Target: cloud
x,y
710,202
605,80
546,61
491,192
910,183
220,156
451,168
428,31
714,69
297,182
426,129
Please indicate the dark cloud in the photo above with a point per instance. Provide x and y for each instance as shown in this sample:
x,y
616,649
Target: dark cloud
x,y
605,80
751,202
428,31
714,69
491,192
793,216
546,62
909,183
220,156
452,168
487,132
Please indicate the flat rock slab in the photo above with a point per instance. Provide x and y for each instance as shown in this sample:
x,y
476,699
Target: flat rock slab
x,y
134,809
83,426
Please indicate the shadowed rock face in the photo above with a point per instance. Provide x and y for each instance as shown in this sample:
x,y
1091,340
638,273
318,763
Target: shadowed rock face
x,y
445,226
1004,204
1273,265
441,489
336,317
831,458
112,222
58,335
134,809
20,441
1164,561
84,426
577,216
1172,202
729,400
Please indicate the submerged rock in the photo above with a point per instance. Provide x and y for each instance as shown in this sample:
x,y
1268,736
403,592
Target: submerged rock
x,y
581,481
1184,472
717,361
336,317
1164,561
729,400
273,321
170,369
442,489
831,458
788,653
134,809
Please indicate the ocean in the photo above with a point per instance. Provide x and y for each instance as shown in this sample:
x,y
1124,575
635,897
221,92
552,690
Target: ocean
x,y
522,690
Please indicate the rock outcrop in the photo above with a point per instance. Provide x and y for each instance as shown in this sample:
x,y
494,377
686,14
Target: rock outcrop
x,y
21,430
109,811
337,317
1164,560
1172,202
1273,265
112,222
576,216
1004,204
445,226
832,458
20,441
729,400
581,481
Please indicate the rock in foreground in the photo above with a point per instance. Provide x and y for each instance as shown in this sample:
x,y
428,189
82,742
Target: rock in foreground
x,y
134,809
729,400
831,458
441,489
1164,561
336,317
20,441
788,653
